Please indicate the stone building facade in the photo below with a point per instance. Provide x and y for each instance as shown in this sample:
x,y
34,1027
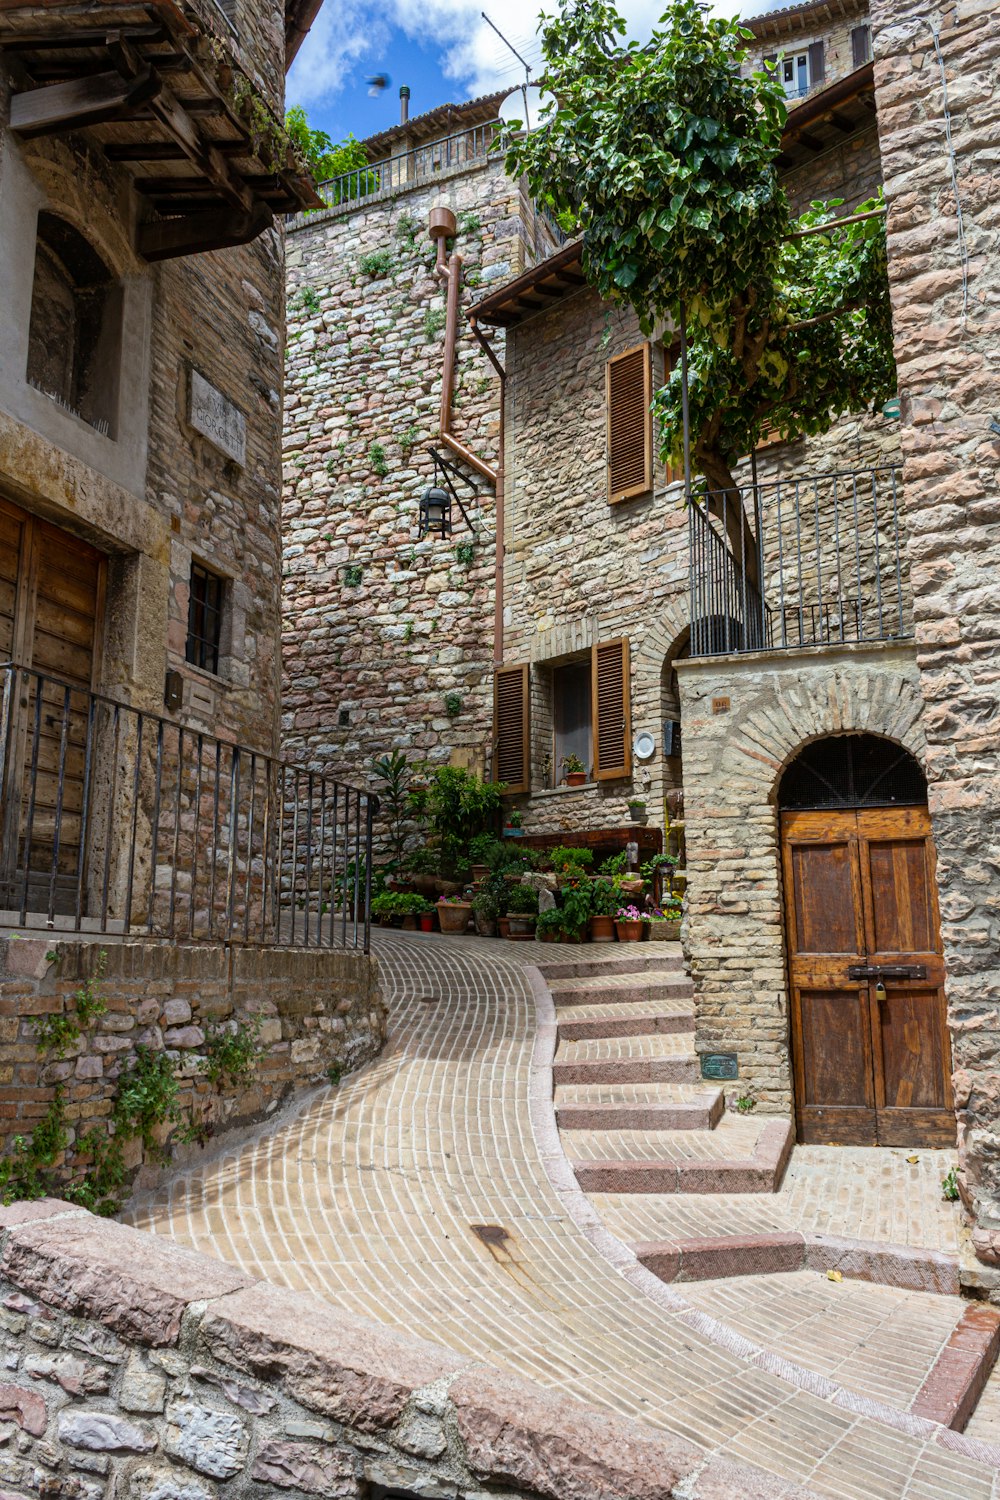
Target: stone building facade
x,y
141,273
389,638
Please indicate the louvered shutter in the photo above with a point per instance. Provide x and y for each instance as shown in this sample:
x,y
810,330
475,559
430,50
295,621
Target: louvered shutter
x,y
817,63
611,710
861,45
630,425
510,728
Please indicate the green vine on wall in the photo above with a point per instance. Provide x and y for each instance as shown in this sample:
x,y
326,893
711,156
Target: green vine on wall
x,y
146,1099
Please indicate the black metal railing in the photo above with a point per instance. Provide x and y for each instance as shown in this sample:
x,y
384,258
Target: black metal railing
x,y
114,820
410,168
799,562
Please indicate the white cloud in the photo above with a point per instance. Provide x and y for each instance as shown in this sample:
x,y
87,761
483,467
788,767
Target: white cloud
x,y
471,53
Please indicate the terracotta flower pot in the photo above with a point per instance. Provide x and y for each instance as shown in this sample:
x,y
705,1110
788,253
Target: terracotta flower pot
x,y
549,936
426,921
503,927
454,915
576,778
629,932
602,929
480,872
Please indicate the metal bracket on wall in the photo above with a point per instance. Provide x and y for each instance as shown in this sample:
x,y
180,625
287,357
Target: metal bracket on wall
x,y
446,473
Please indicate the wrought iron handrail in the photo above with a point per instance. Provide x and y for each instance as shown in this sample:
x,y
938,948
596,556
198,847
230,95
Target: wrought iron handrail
x,y
799,561
118,820
410,168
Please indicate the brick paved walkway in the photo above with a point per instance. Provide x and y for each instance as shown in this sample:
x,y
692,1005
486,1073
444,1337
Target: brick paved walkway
x,y
375,1194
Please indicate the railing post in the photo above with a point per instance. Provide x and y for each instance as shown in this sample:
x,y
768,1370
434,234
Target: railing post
x,y
370,813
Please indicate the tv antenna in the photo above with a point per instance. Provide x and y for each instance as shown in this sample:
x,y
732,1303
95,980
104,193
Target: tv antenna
x,y
510,46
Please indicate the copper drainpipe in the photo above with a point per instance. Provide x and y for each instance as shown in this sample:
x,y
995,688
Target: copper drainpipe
x,y
443,227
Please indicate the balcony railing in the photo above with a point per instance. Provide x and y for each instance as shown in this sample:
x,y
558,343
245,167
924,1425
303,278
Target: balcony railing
x,y
117,821
797,562
410,168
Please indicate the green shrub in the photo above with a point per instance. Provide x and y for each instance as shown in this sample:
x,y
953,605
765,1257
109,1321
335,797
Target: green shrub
x,y
434,321
401,904
232,1051
604,899
375,263
566,859
576,908
377,458
522,900
549,921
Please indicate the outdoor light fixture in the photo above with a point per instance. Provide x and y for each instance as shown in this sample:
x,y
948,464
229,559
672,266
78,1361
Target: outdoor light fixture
x,y
435,512
437,500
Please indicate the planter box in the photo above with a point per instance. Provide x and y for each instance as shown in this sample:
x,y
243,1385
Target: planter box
x,y
664,932
454,916
521,925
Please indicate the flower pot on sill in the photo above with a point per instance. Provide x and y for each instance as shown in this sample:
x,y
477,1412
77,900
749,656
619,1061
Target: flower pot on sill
x,y
576,778
629,932
454,915
602,929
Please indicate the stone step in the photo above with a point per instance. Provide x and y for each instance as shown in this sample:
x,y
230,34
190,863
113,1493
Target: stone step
x,y
625,1018
726,1160
638,1106
611,958
621,989
660,1057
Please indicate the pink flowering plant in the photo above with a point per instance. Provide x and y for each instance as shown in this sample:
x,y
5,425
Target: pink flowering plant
x,y
462,900
628,914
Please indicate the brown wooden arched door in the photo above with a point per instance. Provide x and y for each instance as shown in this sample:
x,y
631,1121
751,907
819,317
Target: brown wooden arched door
x,y
870,1043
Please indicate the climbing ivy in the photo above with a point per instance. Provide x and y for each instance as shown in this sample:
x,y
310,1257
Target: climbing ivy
x,y
666,156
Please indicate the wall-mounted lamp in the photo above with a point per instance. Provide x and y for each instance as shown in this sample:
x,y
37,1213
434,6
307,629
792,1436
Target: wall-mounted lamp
x,y
437,500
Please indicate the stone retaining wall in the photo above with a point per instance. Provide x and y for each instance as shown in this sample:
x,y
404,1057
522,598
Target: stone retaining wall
x,y
931,63
137,1370
732,764
320,1010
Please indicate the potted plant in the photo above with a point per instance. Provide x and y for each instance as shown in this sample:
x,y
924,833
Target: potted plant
x,y
629,924
604,902
486,910
637,809
574,769
522,911
570,865
548,928
485,853
453,913
412,907
664,924
512,824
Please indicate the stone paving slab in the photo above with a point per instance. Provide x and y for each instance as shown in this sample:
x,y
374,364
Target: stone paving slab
x,y
370,1194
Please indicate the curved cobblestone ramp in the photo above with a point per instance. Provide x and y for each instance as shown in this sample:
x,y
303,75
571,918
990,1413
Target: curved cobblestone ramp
x,y
416,1193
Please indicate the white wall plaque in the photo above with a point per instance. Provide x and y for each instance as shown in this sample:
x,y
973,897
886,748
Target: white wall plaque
x,y
218,419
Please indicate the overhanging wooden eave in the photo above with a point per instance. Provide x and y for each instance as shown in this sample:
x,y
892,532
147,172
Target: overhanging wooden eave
x,y
155,84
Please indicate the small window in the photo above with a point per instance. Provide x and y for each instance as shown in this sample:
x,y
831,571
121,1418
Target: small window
x,y
205,618
861,45
74,336
795,74
572,718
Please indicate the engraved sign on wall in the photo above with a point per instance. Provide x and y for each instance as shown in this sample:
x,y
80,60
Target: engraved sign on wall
x,y
217,419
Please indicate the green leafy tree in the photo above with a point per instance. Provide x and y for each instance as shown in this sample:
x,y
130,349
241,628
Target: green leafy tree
x,y
666,157
329,159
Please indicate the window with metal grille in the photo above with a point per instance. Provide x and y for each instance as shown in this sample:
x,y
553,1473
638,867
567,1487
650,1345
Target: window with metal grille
x,y
205,618
852,770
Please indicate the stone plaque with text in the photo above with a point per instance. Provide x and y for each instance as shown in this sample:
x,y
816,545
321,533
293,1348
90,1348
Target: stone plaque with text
x,y
217,419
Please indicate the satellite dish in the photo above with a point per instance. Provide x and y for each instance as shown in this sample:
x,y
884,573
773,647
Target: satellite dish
x,y
529,106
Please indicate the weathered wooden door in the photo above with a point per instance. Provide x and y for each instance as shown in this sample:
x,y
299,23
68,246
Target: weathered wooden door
x,y
51,608
870,1040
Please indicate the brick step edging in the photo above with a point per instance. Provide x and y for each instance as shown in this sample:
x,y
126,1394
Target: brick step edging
x,y
955,1383
703,1113
595,1028
628,1070
587,968
760,1173
624,994
780,1252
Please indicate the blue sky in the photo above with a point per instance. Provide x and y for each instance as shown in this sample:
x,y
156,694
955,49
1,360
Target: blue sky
x,y
441,48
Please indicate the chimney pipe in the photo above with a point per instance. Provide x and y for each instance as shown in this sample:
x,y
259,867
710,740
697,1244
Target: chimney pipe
x,y
404,104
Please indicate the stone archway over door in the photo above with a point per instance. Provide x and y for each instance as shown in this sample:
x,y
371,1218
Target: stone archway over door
x,y
870,1044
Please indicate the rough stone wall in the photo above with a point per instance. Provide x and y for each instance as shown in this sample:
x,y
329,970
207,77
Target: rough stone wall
x,y
795,35
851,170
319,1010
380,627
732,765
946,351
137,1370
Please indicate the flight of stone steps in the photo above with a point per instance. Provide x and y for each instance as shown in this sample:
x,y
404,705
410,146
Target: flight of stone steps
x,y
633,1113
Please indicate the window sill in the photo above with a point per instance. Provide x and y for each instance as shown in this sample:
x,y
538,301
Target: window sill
x,y
562,791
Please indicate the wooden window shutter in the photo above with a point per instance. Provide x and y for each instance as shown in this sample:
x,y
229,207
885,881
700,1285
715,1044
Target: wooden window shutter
x,y
610,701
817,63
511,702
629,384
861,45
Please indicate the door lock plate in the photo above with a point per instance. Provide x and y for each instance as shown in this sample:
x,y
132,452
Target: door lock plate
x,y
882,972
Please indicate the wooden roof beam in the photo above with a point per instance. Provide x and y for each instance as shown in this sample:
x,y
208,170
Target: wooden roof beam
x,y
73,105
216,229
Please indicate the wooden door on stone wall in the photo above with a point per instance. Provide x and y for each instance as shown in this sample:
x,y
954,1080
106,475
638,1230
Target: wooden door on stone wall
x,y
870,1040
51,607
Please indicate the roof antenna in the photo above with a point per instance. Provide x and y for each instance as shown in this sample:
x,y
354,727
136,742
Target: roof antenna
x,y
512,48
